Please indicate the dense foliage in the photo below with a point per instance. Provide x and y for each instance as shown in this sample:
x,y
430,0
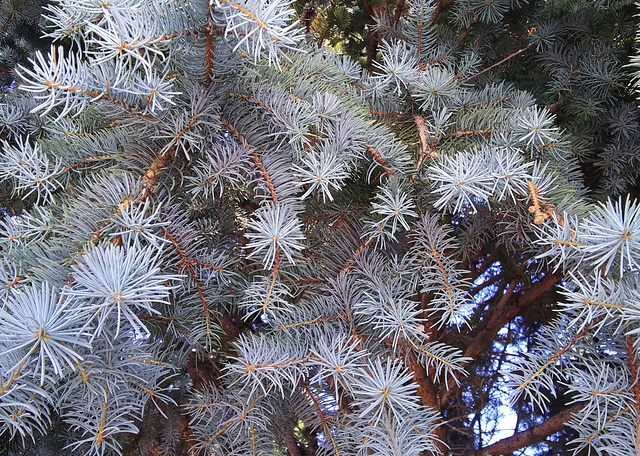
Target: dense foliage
x,y
20,34
220,237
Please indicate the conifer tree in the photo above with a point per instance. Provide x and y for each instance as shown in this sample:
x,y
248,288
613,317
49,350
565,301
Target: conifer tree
x,y
221,239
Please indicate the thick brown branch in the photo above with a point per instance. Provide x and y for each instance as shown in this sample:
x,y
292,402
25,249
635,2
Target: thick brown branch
x,y
292,445
536,291
399,9
501,316
372,36
531,436
210,36
428,395
497,321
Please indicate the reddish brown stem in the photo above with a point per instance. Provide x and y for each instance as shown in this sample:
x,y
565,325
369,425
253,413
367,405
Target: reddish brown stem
x,y
208,55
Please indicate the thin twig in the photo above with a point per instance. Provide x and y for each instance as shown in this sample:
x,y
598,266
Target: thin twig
x,y
510,56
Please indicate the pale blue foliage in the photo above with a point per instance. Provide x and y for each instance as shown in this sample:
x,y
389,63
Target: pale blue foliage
x,y
198,176
277,232
262,29
116,283
30,169
43,330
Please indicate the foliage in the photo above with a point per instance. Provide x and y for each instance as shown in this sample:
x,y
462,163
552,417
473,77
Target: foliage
x,y
211,216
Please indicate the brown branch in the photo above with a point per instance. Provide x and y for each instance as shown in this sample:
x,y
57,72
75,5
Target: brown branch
x,y
501,316
323,418
399,9
531,436
440,7
187,264
5,24
555,106
428,396
508,57
484,132
292,446
307,16
633,369
352,260
496,278
497,321
381,160
537,290
427,151
372,37
256,158
506,314
209,30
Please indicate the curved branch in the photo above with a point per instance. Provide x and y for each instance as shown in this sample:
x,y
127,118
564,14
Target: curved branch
x,y
531,436
504,314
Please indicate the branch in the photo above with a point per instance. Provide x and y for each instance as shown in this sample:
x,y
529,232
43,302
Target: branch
x,y
209,43
292,445
188,264
426,150
381,161
372,37
400,6
537,290
501,316
494,324
428,396
440,7
510,56
633,369
531,436
323,418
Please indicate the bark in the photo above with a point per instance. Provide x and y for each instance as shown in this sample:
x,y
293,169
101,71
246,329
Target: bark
x,y
208,55
503,314
372,37
484,338
440,7
399,9
292,446
531,436
428,397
